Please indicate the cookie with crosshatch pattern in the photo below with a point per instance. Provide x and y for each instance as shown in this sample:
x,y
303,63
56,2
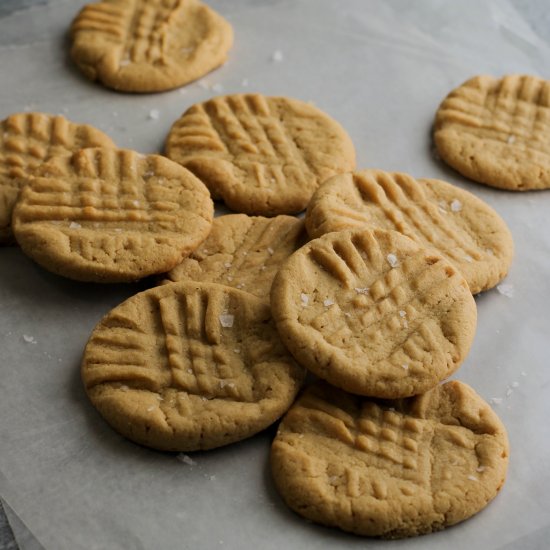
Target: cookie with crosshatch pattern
x,y
497,131
26,141
189,366
111,215
390,468
466,230
261,155
372,312
148,45
243,252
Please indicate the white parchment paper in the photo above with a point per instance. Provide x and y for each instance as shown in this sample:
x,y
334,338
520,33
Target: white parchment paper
x,y
380,68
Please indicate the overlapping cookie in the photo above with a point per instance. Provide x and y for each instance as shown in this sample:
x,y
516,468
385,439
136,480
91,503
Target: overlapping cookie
x,y
497,131
26,141
261,155
189,366
390,469
149,45
111,215
466,230
372,312
243,252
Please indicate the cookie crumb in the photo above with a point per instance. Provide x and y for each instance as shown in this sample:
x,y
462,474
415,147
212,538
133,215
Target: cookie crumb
x,y
226,320
153,114
506,289
186,459
305,299
392,260
277,56
456,205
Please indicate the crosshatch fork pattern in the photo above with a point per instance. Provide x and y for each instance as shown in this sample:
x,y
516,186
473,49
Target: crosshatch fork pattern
x,y
183,345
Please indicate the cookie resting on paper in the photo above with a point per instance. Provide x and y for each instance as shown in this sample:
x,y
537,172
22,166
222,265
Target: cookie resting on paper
x,y
260,155
189,366
496,131
148,45
111,215
373,313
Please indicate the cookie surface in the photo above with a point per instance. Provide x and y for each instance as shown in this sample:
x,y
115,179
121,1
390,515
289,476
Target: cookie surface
x,y
243,252
149,45
26,141
373,313
497,131
390,469
466,230
189,366
261,155
111,215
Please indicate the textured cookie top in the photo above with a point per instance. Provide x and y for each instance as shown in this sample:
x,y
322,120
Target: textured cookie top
x,y
392,469
27,140
497,131
374,313
189,366
467,231
111,215
243,252
261,155
149,45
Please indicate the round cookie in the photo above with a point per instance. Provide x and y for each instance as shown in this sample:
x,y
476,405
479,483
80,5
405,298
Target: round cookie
x,y
111,215
148,45
466,230
373,313
497,131
26,141
243,252
189,366
390,469
261,155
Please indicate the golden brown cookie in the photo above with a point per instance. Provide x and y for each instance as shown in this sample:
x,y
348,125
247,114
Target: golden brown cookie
x,y
149,45
189,366
466,230
390,469
111,215
372,312
497,131
27,140
261,155
243,252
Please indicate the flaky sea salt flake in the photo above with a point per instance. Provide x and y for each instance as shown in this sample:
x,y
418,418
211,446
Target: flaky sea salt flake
x,y
328,302
495,400
364,290
392,260
270,251
153,114
506,289
186,459
456,205
511,139
472,478
402,313
74,225
305,299
29,339
226,320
